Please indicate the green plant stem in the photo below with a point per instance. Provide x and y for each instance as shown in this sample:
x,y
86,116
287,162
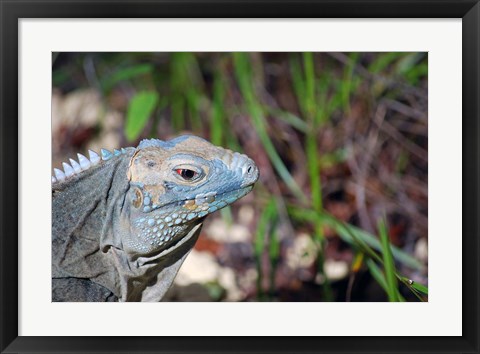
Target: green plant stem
x,y
245,82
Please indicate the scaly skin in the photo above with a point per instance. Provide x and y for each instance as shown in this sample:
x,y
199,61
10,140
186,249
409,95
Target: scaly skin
x,y
123,224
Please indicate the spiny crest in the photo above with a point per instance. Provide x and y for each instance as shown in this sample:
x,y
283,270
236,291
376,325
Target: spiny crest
x,y
165,144
84,163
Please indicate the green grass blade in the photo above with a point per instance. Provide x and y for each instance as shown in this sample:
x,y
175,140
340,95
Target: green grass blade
x,y
333,158
377,274
371,241
297,80
140,108
268,214
305,87
217,128
388,262
289,118
422,288
413,67
273,249
408,62
309,98
310,107
193,84
264,222
345,232
125,74
185,91
227,215
245,82
383,60
346,85
379,278
414,286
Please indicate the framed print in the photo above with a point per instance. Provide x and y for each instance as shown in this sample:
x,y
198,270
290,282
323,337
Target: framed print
x,y
239,177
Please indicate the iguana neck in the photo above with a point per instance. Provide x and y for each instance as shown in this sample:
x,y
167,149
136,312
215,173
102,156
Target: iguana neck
x,y
87,242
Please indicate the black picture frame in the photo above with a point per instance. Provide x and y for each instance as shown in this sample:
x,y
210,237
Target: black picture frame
x,y
11,11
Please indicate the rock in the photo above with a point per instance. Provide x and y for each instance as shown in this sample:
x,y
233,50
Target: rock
x,y
199,267
421,250
246,214
335,270
302,252
202,268
82,107
220,231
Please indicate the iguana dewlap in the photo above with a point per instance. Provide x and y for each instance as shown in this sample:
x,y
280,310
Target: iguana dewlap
x,y
124,222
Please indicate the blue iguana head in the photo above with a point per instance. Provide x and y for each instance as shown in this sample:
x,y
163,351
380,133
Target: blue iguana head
x,y
175,184
150,196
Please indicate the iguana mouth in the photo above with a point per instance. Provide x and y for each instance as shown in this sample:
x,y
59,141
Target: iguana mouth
x,y
215,196
211,202
243,191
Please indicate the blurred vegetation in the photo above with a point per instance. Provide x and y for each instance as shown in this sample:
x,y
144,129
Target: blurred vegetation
x,y
340,140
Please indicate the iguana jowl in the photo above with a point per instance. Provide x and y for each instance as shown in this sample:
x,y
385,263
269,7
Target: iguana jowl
x,y
124,222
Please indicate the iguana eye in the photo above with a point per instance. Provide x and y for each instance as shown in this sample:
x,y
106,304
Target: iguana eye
x,y
187,174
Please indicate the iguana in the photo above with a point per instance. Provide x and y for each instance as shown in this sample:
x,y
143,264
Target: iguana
x,y
124,221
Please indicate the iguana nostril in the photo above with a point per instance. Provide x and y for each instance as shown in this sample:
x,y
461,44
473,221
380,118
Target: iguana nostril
x,y
251,169
250,172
